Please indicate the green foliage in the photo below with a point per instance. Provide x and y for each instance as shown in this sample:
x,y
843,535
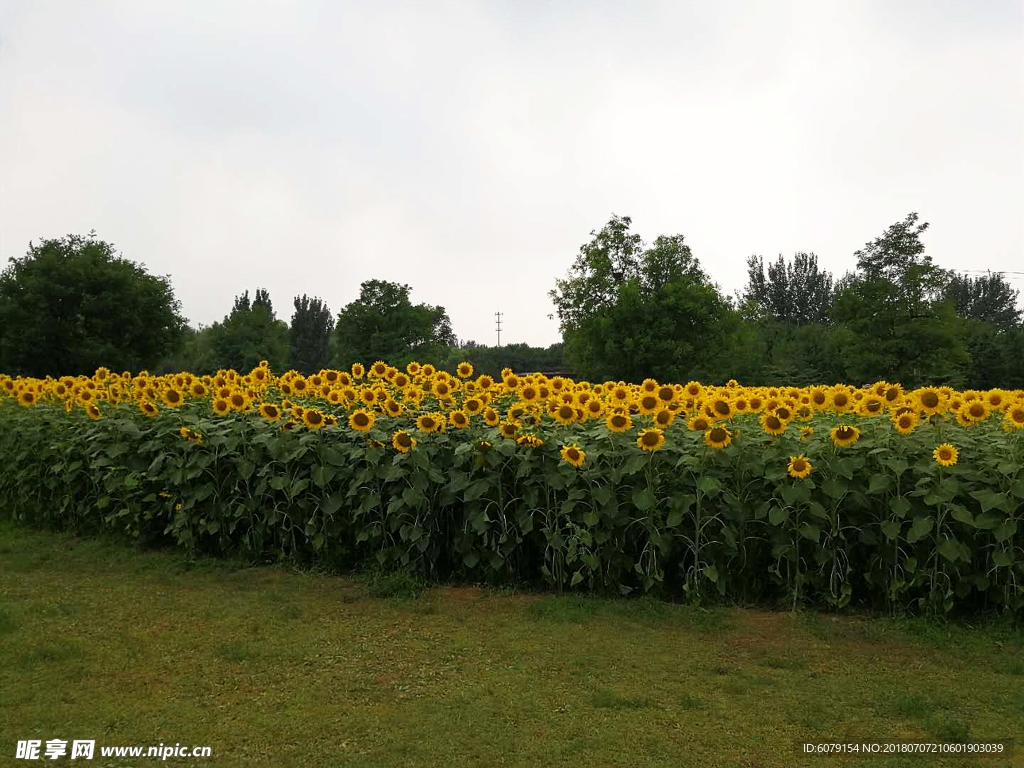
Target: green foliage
x,y
72,304
194,352
251,333
309,335
629,312
795,292
383,324
877,523
491,360
902,329
989,298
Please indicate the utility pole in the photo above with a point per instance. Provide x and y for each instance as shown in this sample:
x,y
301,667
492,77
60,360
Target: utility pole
x,y
498,315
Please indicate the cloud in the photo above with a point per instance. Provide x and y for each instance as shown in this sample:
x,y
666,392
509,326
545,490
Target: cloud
x,y
468,149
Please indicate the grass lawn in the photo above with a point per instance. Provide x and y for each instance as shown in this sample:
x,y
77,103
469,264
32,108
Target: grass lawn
x,y
271,667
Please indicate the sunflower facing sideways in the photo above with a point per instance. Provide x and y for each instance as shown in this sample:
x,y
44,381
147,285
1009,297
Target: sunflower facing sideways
x,y
402,441
270,411
573,454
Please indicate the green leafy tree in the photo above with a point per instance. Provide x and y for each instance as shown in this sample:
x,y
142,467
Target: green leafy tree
x,y
989,298
193,353
902,329
73,304
521,358
630,312
795,291
249,334
383,324
309,335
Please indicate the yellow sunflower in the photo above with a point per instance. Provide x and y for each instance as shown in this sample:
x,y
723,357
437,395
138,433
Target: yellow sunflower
x,y
648,404
929,400
650,439
464,370
666,394
314,419
721,408
799,467
361,420
976,410
718,437
872,405
840,400
508,429
573,454
906,422
458,419
270,411
402,441
618,422
220,406
663,419
238,401
844,435
700,424
1014,417
564,414
491,417
173,397
772,424
148,408
428,422
946,455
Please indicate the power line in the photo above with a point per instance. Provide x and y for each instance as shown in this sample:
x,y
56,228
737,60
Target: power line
x,y
992,271
498,315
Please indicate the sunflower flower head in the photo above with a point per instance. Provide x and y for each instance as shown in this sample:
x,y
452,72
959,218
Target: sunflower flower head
x,y
946,455
573,455
799,467
844,435
402,441
650,439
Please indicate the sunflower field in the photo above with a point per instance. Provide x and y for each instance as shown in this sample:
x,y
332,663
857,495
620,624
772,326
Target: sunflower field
x,y
824,495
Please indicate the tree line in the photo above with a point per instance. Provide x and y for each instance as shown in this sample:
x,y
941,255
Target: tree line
x,y
73,304
627,310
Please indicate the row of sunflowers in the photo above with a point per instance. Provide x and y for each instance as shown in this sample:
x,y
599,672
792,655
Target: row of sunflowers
x,y
824,493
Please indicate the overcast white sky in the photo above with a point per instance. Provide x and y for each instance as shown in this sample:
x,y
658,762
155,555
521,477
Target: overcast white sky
x,y
468,149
